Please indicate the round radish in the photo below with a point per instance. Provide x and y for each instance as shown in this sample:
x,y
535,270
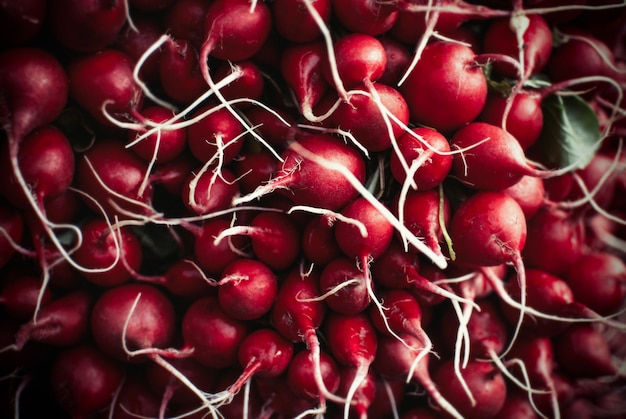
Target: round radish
x,y
447,88
344,286
247,289
215,137
162,146
294,22
368,17
132,317
582,351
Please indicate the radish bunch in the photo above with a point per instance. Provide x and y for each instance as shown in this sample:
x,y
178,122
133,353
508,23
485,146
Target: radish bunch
x,y
312,208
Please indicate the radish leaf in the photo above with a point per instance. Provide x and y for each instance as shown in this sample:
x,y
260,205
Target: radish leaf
x,y
571,132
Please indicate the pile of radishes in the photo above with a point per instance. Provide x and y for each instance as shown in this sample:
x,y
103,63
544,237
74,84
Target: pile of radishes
x,y
312,208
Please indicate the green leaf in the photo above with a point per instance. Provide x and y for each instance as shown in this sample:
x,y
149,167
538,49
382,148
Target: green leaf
x,y
571,132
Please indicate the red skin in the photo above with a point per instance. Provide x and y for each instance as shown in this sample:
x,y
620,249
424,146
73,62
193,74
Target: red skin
x,y
445,76
293,21
171,143
368,17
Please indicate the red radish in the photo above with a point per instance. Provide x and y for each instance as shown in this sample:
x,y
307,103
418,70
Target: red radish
x,y
529,193
524,119
486,384
274,236
131,319
364,394
214,335
84,380
301,66
46,161
301,374
64,321
496,159
21,22
19,296
212,257
280,398
555,240
246,402
582,351
206,191
487,330
134,399
185,20
399,269
367,17
402,315
351,240
363,116
446,75
404,359
293,21
360,59
86,26
114,93
398,59
247,289
426,214
108,257
253,169
526,37
216,137
598,280
263,353
318,241
164,384
171,176
388,396
11,232
248,86
162,146
433,162
179,71
183,280
352,341
343,286
134,41
272,128
28,105
307,182
517,406
489,228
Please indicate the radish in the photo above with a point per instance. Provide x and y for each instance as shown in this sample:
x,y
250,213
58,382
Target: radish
x,y
212,257
134,399
19,296
110,96
352,341
486,384
496,159
136,40
527,38
582,351
529,193
293,21
22,22
343,286
435,162
302,370
216,134
426,214
84,380
274,236
46,161
206,191
179,71
247,289
598,280
318,241
367,17
301,66
398,59
365,117
262,353
248,86
524,118
214,335
446,74
364,394
133,319
86,26
185,20
253,169
555,240
162,146
306,182
404,358
63,321
108,257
